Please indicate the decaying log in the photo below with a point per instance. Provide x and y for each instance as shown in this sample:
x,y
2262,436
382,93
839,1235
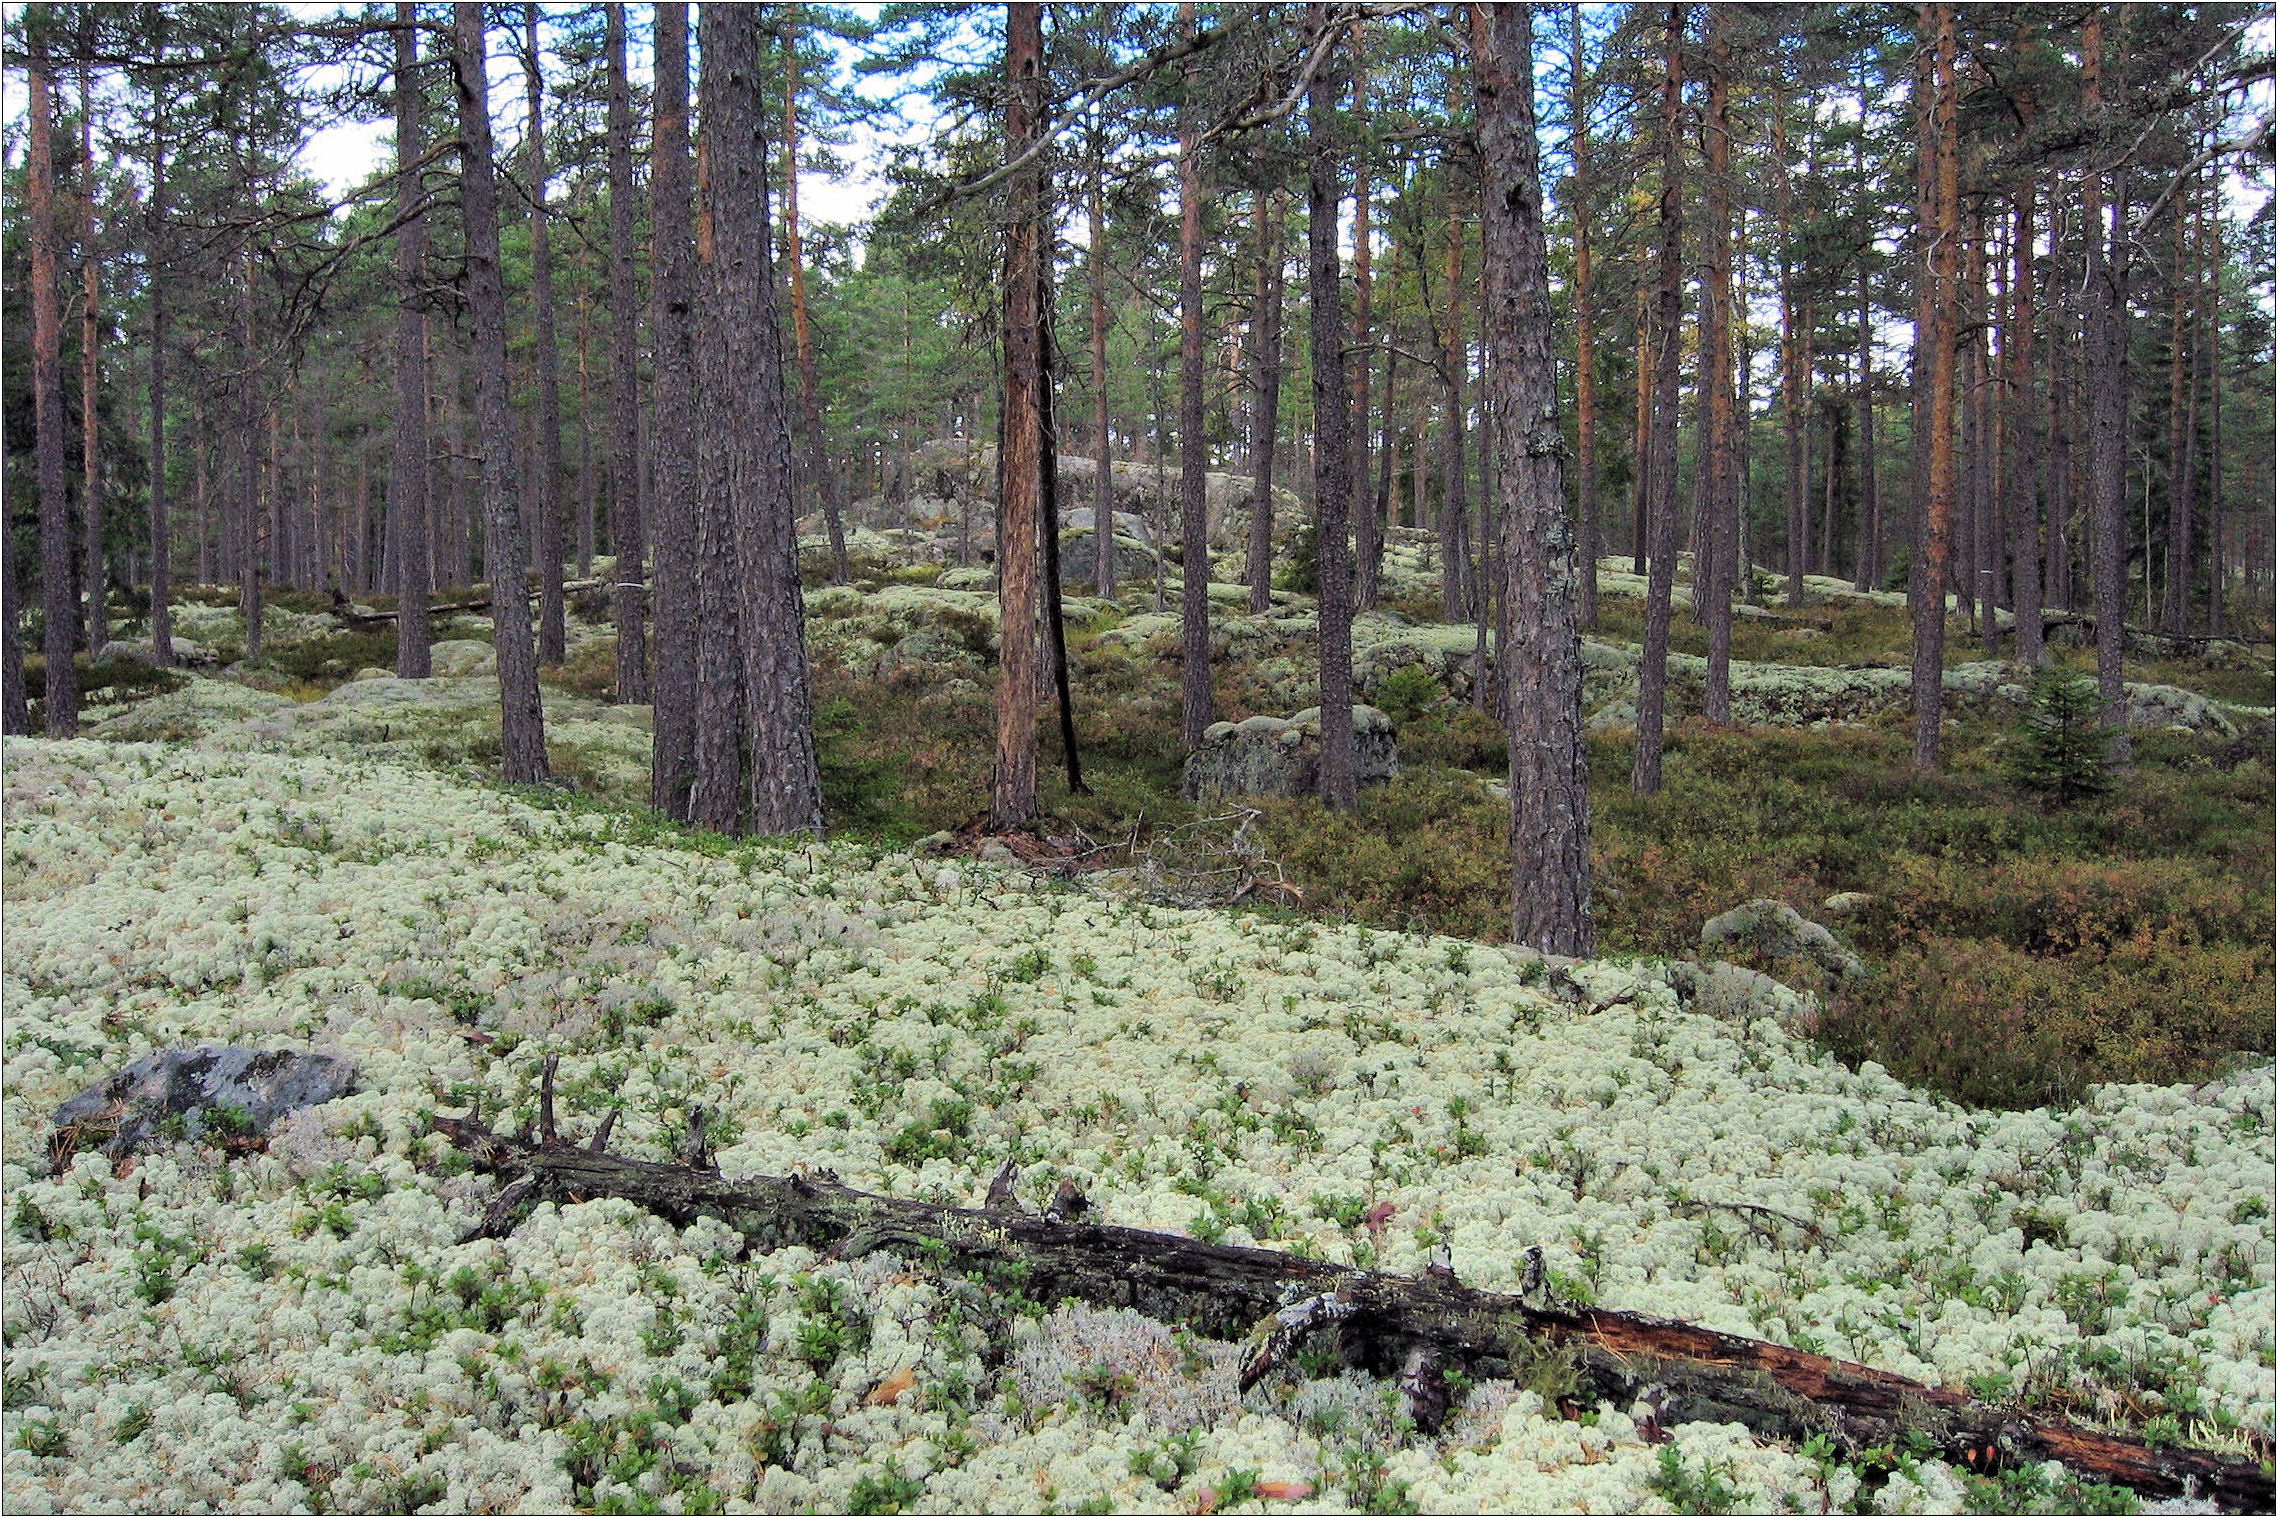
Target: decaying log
x,y
348,612
1413,1328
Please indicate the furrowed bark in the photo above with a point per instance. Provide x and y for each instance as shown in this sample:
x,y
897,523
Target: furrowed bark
x,y
59,599
1653,672
1012,787
672,770
627,533
1332,484
1930,601
1381,1321
1540,658
1712,555
820,478
1194,448
161,534
1095,260
407,460
1265,389
1585,324
90,378
522,733
1368,544
784,791
553,633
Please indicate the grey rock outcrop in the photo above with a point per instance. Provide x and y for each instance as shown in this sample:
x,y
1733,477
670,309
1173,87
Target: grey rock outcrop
x,y
1778,931
1278,756
253,1087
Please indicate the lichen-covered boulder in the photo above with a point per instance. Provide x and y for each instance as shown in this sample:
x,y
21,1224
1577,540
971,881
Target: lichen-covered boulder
x,y
455,657
1778,931
1277,756
236,1092
191,712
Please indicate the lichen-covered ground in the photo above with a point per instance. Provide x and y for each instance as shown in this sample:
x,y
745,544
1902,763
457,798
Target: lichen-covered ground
x,y
298,1327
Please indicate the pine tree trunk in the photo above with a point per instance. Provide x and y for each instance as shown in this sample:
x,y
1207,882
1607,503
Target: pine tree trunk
x,y
522,732
784,789
1653,670
627,533
818,464
2211,312
1012,790
1265,390
1455,503
1367,526
2175,606
161,534
1712,556
2106,367
1983,445
1540,657
547,472
1641,444
2023,435
716,798
1332,483
1870,518
1791,380
1194,449
408,478
59,600
1585,322
90,377
1103,508
586,494
1371,569
672,769
1930,605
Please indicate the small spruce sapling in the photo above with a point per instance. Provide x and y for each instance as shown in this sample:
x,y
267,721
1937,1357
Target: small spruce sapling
x,y
2059,748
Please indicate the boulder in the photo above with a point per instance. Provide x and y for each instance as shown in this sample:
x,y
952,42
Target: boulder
x,y
143,651
454,657
1277,756
237,1092
1778,931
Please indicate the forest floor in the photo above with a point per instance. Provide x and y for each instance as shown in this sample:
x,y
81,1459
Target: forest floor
x,y
1984,1200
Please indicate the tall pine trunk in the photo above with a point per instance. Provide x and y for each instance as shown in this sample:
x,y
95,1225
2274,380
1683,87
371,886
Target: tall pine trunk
x,y
1930,605
716,798
59,599
1455,504
1653,670
627,533
1194,449
1585,323
90,378
547,508
408,461
818,463
1332,481
1368,527
672,770
1103,508
1012,789
1265,389
2023,434
1712,556
2106,366
784,790
161,534
2175,605
1540,658
522,733
1791,346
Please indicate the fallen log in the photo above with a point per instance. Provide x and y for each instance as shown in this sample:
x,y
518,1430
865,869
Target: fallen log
x,y
1388,1325
346,611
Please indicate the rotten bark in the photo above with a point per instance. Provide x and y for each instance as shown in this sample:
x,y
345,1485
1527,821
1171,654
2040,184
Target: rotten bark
x,y
1383,1324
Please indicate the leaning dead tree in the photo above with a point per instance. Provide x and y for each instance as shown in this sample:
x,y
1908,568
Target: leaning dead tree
x,y
1418,1328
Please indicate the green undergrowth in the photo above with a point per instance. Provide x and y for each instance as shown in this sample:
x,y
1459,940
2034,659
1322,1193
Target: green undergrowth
x,y
2016,949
